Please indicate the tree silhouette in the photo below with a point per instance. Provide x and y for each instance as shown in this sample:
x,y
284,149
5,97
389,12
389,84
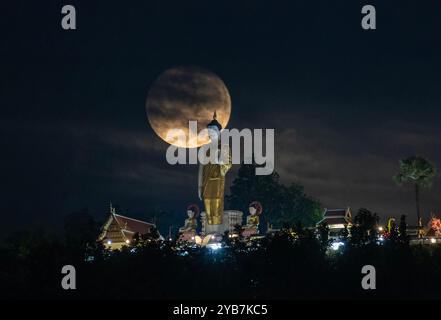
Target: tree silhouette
x,y
267,269
80,232
393,232
402,230
323,232
418,171
344,234
365,225
280,203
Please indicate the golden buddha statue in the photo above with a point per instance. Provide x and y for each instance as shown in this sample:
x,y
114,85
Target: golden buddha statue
x,y
212,177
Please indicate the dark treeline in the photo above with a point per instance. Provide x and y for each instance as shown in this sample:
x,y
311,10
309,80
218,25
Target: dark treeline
x,y
294,263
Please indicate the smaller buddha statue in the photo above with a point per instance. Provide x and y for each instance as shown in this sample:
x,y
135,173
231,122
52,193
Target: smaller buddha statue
x,y
252,225
191,222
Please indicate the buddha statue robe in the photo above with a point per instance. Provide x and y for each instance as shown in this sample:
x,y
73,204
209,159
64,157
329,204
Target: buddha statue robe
x,y
253,221
190,225
213,186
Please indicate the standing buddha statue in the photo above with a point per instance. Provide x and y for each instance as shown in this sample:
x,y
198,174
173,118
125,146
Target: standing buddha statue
x,y
212,177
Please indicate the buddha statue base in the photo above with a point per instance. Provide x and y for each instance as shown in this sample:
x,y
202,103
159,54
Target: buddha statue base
x,y
188,236
231,218
250,231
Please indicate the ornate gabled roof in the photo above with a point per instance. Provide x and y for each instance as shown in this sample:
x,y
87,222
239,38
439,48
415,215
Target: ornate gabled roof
x,y
132,225
127,226
336,216
329,213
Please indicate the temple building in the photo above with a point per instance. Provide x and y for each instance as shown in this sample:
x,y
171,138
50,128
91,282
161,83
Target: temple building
x,y
337,220
118,230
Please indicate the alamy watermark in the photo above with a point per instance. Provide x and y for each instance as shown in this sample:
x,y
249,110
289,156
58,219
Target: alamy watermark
x,y
368,282
69,281
224,147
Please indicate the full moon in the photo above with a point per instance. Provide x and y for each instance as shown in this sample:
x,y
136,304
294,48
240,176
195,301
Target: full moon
x,y
184,94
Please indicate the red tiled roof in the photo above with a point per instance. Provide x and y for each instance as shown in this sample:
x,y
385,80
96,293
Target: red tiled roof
x,y
133,225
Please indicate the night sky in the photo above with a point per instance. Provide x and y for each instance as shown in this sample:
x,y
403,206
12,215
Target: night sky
x,y
346,104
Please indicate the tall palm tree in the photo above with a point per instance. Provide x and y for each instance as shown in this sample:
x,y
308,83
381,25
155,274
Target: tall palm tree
x,y
418,171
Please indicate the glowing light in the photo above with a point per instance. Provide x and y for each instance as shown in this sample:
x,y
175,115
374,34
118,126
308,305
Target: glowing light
x,y
109,241
336,245
212,237
380,228
127,241
337,226
432,240
192,238
198,240
214,246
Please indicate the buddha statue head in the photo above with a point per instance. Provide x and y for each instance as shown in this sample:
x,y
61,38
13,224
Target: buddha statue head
x,y
255,208
214,128
192,211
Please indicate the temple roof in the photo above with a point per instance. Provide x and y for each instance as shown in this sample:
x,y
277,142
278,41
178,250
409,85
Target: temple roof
x,y
127,226
336,216
335,213
133,225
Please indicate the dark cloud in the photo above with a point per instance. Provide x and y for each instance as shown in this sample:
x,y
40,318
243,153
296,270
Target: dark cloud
x,y
356,170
